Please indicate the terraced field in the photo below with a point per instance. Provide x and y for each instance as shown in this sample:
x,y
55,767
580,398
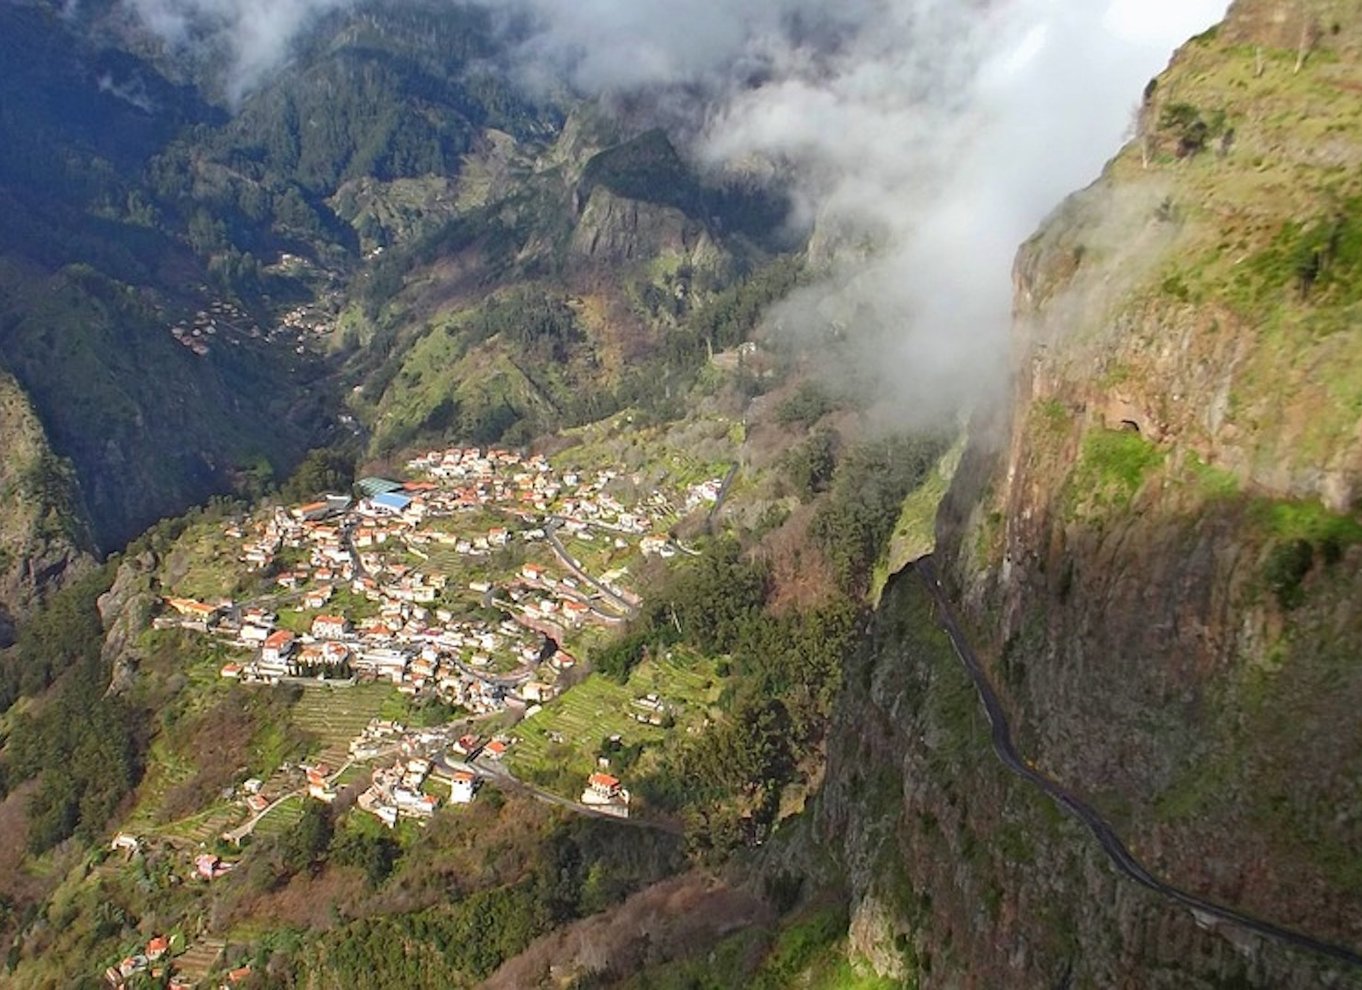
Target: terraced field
x,y
206,826
335,715
168,771
199,958
280,820
565,737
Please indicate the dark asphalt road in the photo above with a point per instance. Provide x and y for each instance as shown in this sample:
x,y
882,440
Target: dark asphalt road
x,y
568,561
502,777
1106,836
722,495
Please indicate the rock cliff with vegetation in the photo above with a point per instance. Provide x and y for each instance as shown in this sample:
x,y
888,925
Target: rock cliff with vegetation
x,y
1155,544
43,530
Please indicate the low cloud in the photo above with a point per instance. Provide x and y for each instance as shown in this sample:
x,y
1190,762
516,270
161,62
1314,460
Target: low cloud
x,y
255,36
933,145
927,137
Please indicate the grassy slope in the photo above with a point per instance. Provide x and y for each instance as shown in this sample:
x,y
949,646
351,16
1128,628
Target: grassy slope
x,y
1275,195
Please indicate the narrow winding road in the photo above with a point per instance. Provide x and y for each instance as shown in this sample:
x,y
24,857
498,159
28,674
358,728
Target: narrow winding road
x,y
722,495
570,562
1111,843
504,779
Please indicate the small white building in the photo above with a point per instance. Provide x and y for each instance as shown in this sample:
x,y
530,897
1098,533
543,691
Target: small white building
x,y
462,787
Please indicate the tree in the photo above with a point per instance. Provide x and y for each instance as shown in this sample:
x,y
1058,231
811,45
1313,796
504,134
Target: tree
x,y
324,469
309,839
376,855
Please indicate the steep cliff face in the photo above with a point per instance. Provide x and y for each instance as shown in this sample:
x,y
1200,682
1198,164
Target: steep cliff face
x,y
43,532
638,202
962,875
1156,545
613,230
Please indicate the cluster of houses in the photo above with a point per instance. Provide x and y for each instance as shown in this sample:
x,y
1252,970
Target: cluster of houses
x,y
367,548
381,611
301,323
396,792
222,317
532,489
472,664
152,961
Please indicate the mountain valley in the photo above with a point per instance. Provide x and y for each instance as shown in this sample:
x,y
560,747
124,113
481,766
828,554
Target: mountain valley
x,y
436,550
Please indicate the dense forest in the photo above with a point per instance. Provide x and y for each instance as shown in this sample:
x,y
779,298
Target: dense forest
x,y
83,746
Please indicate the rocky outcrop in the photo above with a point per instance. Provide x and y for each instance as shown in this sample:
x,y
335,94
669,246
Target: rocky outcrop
x,y
615,231
126,609
43,536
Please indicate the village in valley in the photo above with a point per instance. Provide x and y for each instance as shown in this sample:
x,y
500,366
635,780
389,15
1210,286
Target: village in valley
x,y
435,631
466,585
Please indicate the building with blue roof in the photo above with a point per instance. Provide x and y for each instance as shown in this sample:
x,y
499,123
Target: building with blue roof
x,y
393,502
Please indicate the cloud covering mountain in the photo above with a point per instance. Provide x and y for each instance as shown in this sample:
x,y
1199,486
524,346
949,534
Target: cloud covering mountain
x,y
927,137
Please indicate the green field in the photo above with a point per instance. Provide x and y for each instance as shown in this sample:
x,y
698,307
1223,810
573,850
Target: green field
x,y
599,707
280,819
335,715
599,554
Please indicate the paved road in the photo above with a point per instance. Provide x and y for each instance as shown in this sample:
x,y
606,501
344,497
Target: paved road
x,y
504,779
551,533
1106,836
722,495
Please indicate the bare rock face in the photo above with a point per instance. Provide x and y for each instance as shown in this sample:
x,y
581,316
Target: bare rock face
x,y
43,535
126,610
1154,541
615,231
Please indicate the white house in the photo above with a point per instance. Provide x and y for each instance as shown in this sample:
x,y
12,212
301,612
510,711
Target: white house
x,y
461,787
330,627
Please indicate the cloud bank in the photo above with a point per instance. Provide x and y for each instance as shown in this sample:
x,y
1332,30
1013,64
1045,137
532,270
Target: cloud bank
x,y
941,136
927,137
255,35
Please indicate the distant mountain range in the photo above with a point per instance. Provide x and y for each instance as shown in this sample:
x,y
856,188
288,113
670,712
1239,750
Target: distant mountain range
x,y
163,252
